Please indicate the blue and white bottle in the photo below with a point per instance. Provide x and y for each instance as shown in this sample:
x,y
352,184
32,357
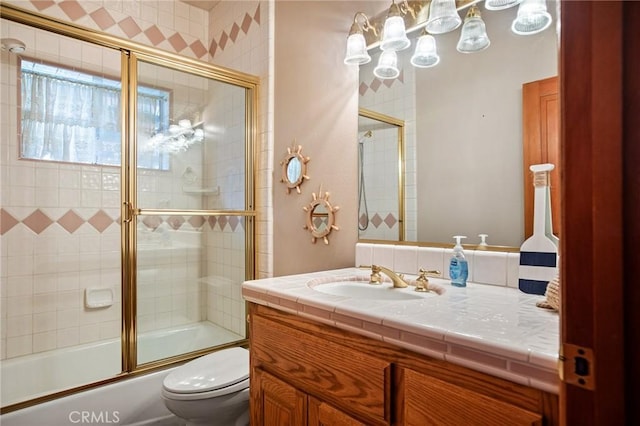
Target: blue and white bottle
x,y
458,266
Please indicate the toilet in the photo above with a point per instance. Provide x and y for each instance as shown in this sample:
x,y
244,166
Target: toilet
x,y
211,390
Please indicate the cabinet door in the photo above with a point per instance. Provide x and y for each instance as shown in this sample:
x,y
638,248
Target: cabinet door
x,y
323,414
277,403
430,401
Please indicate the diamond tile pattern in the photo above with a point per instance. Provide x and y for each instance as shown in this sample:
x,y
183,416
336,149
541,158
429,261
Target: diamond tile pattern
x,y
42,4
212,220
177,42
131,29
132,26
320,222
175,222
233,34
72,9
70,221
154,35
233,222
376,220
246,23
223,40
376,83
256,16
363,220
152,222
37,221
6,221
100,221
222,221
390,220
196,221
102,18
198,48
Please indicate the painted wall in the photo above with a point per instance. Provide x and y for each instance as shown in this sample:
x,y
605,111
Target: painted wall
x,y
315,105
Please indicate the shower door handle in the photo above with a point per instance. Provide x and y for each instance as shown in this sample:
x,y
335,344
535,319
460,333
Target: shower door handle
x,y
128,212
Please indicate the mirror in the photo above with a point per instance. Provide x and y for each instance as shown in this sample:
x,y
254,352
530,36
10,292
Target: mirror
x,y
464,169
320,217
294,168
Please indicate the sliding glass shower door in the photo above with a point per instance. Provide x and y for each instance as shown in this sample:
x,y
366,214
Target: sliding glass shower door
x,y
60,213
191,227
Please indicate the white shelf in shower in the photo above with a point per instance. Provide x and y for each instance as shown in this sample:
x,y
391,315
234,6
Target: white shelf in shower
x,y
204,191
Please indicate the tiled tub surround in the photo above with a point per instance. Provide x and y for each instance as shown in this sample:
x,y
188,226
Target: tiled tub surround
x,y
493,329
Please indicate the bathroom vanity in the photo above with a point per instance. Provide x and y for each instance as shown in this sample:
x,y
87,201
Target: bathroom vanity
x,y
318,358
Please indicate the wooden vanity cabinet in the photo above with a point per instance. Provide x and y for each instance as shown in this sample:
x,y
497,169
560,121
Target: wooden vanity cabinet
x,y
307,373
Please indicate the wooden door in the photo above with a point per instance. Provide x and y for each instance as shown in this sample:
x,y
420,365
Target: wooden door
x,y
277,403
600,95
323,414
541,144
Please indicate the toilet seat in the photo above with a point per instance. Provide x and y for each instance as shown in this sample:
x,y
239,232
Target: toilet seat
x,y
216,374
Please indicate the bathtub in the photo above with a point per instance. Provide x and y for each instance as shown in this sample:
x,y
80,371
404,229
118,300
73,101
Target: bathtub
x,y
34,375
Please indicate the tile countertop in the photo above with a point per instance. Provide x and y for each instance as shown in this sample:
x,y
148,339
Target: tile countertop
x,y
495,330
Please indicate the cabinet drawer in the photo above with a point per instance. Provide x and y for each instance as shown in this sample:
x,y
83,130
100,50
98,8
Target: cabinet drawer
x,y
350,380
430,401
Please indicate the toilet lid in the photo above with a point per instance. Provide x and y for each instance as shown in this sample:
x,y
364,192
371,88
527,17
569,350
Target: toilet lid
x,y
210,372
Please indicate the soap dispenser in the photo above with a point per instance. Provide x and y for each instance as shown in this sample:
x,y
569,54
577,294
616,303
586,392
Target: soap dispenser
x,y
458,266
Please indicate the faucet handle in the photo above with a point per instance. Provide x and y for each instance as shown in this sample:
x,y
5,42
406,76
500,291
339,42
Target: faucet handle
x,y
422,282
375,278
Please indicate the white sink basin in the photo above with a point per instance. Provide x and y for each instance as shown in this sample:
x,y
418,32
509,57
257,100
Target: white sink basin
x,y
364,290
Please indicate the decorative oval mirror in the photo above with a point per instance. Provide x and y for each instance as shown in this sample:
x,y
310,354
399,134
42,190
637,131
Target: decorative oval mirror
x,y
320,217
294,168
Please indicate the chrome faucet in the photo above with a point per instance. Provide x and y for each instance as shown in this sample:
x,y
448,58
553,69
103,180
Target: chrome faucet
x,y
397,279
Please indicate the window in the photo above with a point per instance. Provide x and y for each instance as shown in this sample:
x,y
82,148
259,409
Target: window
x,y
72,116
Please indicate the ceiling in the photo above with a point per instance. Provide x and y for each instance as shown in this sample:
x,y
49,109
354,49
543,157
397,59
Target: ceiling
x,y
202,4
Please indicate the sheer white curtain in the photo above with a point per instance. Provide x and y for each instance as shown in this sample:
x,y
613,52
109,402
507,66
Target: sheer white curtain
x,y
79,122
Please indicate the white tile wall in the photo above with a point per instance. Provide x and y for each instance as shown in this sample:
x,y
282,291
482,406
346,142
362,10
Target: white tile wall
x,y
49,271
485,267
253,53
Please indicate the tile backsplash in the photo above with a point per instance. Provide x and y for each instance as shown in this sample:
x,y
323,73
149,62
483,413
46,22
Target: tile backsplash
x,y
485,266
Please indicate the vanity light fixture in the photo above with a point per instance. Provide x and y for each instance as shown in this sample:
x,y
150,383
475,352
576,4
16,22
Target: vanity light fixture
x,y
532,17
473,37
433,17
426,53
394,34
443,17
356,44
500,4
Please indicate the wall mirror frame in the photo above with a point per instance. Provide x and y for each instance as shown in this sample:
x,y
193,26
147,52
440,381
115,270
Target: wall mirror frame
x,y
464,131
294,168
320,216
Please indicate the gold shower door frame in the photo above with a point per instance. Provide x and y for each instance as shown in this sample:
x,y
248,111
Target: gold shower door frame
x,y
131,53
